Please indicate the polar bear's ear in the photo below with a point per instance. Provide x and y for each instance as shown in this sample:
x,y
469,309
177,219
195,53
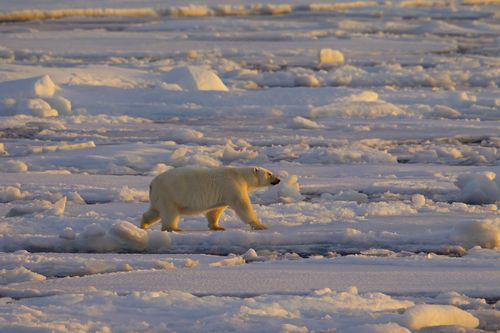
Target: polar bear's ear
x,y
255,170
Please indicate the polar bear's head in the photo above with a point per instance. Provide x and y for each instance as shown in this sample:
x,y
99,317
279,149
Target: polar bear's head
x,y
265,177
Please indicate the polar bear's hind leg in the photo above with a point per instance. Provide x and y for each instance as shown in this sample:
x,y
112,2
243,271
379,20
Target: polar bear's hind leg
x,y
213,217
149,217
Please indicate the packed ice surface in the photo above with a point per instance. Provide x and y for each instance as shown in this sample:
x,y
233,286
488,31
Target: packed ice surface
x,y
381,118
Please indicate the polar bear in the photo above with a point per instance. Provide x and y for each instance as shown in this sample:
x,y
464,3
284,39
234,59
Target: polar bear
x,y
208,191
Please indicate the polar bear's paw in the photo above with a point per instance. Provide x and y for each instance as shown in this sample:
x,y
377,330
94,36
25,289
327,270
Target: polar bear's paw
x,y
170,229
217,228
259,226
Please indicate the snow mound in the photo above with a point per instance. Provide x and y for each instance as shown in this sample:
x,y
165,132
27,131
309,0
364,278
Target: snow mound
x,y
19,274
429,315
194,78
479,188
485,233
363,105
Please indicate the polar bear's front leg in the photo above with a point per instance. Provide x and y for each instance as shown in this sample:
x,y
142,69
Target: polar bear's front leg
x,y
213,217
244,210
170,220
149,217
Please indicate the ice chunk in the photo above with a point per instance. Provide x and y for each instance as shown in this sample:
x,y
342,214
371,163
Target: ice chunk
x,y
428,315
129,194
232,261
61,104
76,198
39,86
485,233
346,155
195,78
190,263
346,108
232,153
418,200
268,310
290,328
161,264
306,81
479,188
304,123
330,57
59,207
10,193
19,274
287,191
129,236
13,166
39,206
159,168
93,230
37,107
2,149
364,96
158,241
67,234
350,195
443,111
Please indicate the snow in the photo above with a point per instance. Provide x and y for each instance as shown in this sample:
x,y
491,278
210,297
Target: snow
x,y
379,117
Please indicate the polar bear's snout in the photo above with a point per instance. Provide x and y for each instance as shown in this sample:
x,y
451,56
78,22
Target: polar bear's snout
x,y
275,180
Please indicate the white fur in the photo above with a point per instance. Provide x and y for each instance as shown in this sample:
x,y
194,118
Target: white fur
x,y
193,191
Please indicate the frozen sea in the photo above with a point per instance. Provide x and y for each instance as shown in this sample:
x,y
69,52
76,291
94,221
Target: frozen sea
x,y
382,119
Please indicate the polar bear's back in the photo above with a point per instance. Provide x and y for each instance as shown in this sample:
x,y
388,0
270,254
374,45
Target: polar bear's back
x,y
202,176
